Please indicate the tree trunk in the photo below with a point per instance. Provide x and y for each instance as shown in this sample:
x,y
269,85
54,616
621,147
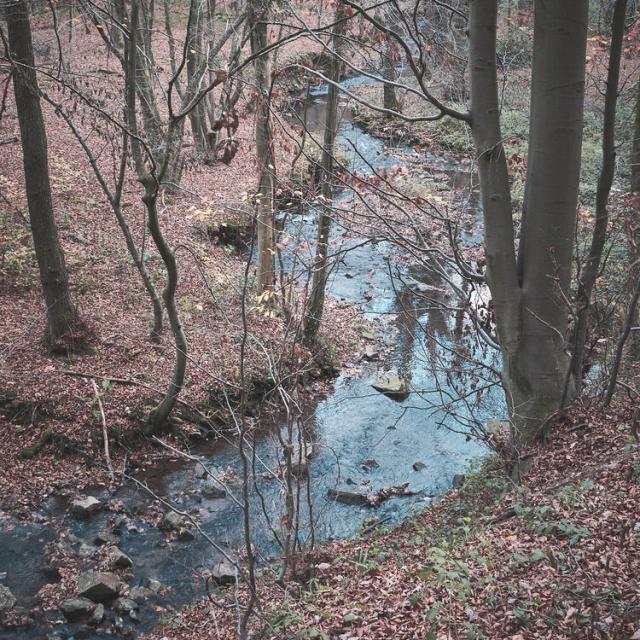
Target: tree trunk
x,y
63,326
265,278
315,304
151,183
635,190
537,378
529,301
605,180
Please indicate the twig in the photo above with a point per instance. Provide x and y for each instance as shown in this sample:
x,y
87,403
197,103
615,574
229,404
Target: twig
x,y
105,434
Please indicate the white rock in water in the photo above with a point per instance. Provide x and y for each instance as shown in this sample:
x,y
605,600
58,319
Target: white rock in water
x,y
84,507
392,385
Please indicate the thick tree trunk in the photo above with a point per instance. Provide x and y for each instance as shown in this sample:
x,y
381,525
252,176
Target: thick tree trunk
x,y
605,180
538,374
315,304
494,180
62,320
529,301
265,213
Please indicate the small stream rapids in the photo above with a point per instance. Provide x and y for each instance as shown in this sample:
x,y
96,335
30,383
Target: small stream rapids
x,y
362,439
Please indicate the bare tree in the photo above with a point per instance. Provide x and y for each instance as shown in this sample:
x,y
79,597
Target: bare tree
x,y
265,205
591,267
315,303
64,329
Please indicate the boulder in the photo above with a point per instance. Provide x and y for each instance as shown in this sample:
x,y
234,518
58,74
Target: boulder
x,y
418,466
140,594
371,353
392,385
458,481
186,534
125,605
154,585
200,470
98,586
224,573
97,616
83,507
7,599
118,559
368,334
76,609
106,537
171,521
212,489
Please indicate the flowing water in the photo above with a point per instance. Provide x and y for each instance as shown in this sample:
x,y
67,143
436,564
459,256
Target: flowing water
x,y
363,440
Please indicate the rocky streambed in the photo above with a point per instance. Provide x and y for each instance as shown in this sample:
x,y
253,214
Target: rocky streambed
x,y
381,445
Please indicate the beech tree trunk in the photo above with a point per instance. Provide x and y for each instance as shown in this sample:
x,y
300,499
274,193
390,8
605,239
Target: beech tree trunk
x,y
62,319
265,204
315,304
591,266
530,295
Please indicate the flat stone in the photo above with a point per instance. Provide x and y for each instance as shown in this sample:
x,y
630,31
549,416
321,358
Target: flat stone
x,y
7,599
98,586
140,594
224,573
97,616
106,537
75,609
392,385
118,559
355,498
84,507
171,521
367,334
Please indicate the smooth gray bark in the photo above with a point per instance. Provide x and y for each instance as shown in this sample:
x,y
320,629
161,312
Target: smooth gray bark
x,y
530,297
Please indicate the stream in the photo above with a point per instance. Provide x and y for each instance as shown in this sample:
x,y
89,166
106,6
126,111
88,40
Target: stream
x,y
362,440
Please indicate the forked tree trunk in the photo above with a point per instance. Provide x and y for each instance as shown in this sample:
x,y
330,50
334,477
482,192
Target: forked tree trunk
x,y
62,319
530,298
265,213
315,304
151,182
591,266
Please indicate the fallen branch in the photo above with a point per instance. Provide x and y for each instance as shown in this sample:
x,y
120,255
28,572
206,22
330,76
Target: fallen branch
x,y
105,434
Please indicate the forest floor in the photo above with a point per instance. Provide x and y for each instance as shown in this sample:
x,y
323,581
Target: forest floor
x,y
556,557
42,393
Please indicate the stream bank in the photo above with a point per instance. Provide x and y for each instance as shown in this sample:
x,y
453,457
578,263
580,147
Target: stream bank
x,y
363,441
